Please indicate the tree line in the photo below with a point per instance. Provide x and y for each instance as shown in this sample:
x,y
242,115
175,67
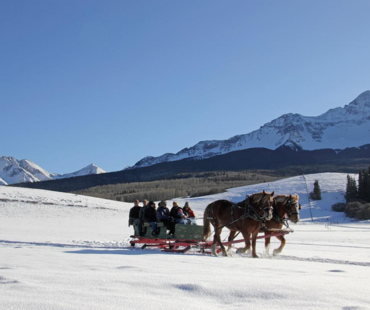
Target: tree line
x,y
182,185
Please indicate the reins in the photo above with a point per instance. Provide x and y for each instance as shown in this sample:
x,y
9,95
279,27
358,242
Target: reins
x,y
248,207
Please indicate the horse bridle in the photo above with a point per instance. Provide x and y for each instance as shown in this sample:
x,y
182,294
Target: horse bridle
x,y
296,205
284,221
260,218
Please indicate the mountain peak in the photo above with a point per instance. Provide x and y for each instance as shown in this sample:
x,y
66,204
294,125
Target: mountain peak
x,y
363,99
19,171
337,128
94,169
90,169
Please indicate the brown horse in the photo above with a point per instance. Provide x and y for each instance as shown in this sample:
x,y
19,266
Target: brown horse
x,y
284,205
246,216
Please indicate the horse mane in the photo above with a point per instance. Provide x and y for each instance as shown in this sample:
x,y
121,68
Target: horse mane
x,y
283,197
256,196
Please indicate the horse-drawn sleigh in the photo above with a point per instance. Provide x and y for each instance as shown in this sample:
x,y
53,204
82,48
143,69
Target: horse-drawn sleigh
x,y
259,216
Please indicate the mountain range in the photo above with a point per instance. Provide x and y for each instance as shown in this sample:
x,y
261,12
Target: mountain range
x,y
338,128
19,171
338,137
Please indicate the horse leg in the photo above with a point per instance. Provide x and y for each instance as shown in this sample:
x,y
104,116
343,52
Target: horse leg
x,y
214,248
224,253
247,241
254,242
282,244
216,237
230,239
267,244
217,240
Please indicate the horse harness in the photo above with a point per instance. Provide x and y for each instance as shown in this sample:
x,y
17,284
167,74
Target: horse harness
x,y
283,220
249,212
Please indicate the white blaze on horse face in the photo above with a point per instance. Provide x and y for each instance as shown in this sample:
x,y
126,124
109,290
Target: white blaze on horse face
x,y
294,208
268,209
270,215
295,213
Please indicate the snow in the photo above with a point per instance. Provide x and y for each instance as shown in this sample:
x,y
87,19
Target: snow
x,y
64,251
337,128
17,171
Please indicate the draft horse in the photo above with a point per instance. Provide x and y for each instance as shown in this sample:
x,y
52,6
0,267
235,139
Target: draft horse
x,y
246,216
284,206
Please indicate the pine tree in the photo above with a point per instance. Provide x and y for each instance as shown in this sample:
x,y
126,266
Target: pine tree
x,y
351,190
364,185
316,194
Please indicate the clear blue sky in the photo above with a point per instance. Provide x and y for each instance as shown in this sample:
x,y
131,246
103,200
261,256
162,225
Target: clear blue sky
x,y
110,82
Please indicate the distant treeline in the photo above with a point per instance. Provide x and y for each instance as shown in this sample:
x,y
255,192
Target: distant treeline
x,y
182,185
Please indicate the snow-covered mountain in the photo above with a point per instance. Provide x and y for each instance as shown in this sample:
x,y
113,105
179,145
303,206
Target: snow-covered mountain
x,y
90,169
18,171
338,128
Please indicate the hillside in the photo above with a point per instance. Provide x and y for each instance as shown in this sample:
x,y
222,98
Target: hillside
x,y
284,161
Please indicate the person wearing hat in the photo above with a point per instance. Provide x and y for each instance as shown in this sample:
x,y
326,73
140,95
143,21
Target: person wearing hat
x,y
164,216
150,215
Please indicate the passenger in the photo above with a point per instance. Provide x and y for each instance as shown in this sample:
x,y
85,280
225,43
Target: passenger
x,y
134,216
189,213
164,216
141,216
145,205
178,214
150,215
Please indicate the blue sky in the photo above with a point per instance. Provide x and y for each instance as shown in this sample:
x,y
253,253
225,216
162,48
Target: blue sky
x,y
110,82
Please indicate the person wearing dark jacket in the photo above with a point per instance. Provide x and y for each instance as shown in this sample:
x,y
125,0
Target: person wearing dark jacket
x,y
134,216
163,214
178,214
150,215
141,216
145,205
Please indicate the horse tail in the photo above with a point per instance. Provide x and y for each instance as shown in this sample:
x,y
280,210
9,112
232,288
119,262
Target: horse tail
x,y
206,222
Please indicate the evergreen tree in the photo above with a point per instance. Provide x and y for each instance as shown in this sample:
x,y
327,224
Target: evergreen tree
x,y
364,185
316,194
351,190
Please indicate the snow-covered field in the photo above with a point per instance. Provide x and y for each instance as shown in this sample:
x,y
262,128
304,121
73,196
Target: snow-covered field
x,y
63,251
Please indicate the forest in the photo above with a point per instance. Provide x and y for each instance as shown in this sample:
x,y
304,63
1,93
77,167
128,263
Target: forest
x,y
181,185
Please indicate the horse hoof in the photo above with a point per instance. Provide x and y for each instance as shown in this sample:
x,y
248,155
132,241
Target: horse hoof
x,y
214,250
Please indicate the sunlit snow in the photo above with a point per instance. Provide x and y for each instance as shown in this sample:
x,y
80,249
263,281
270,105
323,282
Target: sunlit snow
x,y
64,251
